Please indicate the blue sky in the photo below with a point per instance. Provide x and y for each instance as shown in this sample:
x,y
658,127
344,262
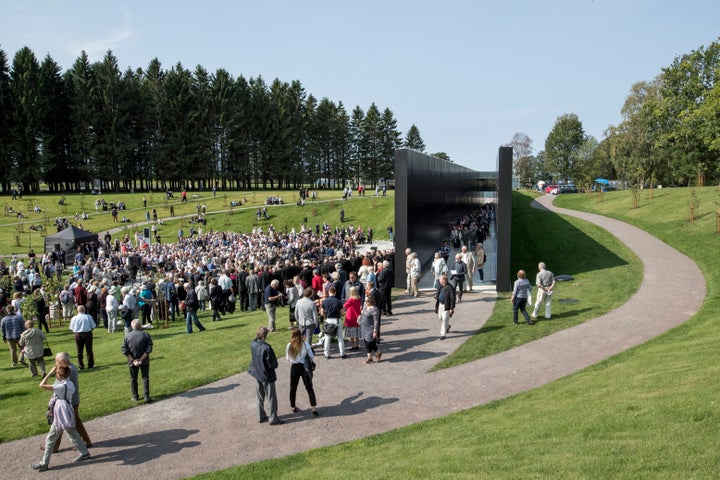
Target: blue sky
x,y
468,74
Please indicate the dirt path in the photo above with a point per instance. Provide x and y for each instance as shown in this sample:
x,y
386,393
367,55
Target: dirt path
x,y
215,427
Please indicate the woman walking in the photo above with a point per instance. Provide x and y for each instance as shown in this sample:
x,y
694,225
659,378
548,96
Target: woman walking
x,y
520,296
370,324
63,418
297,353
352,307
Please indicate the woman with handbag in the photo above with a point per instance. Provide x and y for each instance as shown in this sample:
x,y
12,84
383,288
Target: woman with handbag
x,y
61,416
300,355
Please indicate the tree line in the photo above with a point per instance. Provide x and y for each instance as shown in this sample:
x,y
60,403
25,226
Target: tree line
x,y
172,129
669,133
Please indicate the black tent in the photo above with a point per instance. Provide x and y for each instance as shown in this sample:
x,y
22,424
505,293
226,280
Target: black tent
x,y
68,240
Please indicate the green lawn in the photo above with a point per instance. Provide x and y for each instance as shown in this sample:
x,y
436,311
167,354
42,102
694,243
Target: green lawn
x,y
16,236
648,413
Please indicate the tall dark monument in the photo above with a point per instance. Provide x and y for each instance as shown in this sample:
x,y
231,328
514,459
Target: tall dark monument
x,y
430,195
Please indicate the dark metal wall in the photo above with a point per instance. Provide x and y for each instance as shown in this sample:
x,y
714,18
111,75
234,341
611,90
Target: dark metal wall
x,y
504,219
431,193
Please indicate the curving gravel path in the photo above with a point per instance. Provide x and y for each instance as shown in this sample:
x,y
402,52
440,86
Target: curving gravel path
x,y
215,426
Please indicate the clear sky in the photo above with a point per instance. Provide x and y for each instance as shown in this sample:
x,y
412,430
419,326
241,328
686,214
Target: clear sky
x,y
469,74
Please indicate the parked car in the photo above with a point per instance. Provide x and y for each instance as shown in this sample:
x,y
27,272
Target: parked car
x,y
549,188
567,189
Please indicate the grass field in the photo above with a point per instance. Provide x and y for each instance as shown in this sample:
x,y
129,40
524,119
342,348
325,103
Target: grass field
x,y
16,236
648,413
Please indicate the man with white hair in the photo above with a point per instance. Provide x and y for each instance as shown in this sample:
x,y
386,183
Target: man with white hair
x,y
271,298
545,282
137,346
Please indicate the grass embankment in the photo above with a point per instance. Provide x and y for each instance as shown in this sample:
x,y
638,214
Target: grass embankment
x,y
105,389
648,413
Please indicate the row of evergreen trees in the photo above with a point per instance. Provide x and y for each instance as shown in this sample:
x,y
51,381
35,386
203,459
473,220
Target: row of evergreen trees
x,y
170,129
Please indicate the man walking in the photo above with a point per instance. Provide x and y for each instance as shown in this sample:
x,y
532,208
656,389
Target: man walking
x,y
82,325
137,346
545,282
444,305
262,368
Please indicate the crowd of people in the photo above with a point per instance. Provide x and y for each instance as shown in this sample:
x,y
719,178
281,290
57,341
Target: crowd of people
x,y
332,292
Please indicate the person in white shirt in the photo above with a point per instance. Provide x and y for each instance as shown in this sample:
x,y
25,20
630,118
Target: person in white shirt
x,y
82,325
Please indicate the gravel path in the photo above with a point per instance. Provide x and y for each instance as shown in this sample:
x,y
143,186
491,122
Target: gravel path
x,y
215,427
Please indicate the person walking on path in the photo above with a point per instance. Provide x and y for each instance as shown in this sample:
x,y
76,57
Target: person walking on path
x,y
520,296
545,283
63,417
444,305
262,369
296,353
82,325
137,346
63,359
370,325
457,275
471,264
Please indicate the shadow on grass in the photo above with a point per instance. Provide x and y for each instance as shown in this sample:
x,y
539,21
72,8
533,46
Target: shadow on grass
x,y
579,255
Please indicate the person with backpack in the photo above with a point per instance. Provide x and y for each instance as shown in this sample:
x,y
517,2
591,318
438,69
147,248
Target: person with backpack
x,y
67,303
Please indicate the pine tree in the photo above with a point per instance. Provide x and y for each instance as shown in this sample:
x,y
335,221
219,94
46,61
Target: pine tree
x,y
414,140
